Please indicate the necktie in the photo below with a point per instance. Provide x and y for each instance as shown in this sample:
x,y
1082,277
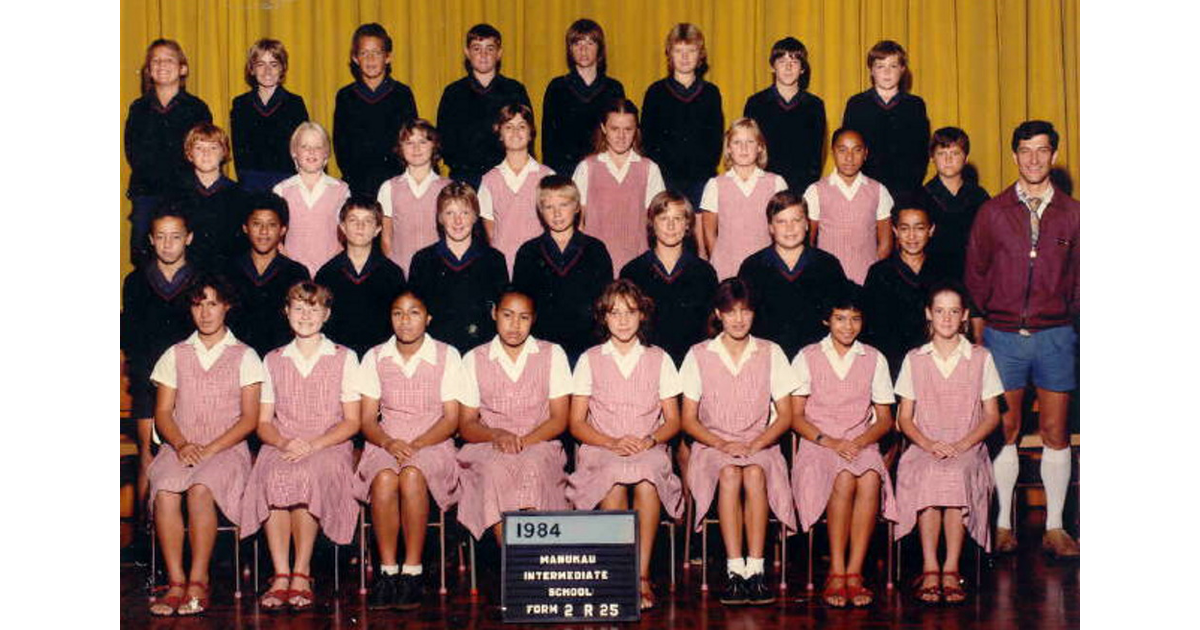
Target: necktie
x,y
1033,203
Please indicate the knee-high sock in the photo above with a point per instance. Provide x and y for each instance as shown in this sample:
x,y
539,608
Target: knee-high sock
x,y
1005,469
1056,477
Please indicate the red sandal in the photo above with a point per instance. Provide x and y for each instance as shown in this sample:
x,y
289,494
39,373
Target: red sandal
x,y
305,593
281,595
195,605
919,591
858,590
646,593
953,589
828,591
171,602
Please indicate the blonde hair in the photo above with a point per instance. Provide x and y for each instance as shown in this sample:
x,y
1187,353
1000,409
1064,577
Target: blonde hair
x,y
206,132
260,47
305,127
310,293
751,126
687,33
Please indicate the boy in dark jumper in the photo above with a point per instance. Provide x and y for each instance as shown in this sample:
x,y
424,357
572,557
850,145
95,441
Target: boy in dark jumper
x,y
791,117
956,199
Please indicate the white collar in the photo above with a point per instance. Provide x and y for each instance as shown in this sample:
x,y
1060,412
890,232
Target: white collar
x,y
1045,198
855,348
607,158
754,177
292,351
531,166
717,346
496,349
225,342
963,348
427,352
609,348
418,188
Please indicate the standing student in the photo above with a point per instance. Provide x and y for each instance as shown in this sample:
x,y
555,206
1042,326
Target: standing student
x,y
680,283
849,211
682,119
892,120
208,391
841,409
302,480
155,315
616,184
733,203
623,412
155,129
949,404
516,402
729,386
791,278
792,119
263,119
508,192
262,276
1023,273
459,277
415,382
314,199
956,198
564,270
409,200
574,103
470,105
214,203
368,113
361,278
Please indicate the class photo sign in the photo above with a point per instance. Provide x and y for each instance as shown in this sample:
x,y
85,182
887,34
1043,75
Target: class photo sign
x,y
562,567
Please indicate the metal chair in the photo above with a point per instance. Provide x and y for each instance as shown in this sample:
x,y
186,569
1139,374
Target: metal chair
x,y
363,552
779,547
237,559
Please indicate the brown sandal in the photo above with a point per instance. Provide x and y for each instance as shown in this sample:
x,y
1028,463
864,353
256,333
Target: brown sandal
x,y
920,592
647,594
281,595
170,602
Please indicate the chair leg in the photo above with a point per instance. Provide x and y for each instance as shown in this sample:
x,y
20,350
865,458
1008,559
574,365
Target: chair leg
x,y
782,559
474,584
810,587
237,563
891,532
255,543
688,506
153,562
337,577
362,553
442,548
671,529
704,556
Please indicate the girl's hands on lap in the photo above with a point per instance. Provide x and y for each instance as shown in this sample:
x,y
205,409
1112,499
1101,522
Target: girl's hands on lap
x,y
627,445
847,449
191,454
400,449
296,449
942,450
506,442
735,449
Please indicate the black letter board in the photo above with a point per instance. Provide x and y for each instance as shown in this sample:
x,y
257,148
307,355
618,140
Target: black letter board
x,y
570,566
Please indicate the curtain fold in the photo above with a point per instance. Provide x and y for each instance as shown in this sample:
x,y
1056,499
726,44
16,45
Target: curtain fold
x,y
983,65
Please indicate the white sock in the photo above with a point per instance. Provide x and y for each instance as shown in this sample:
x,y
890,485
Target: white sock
x,y
1005,468
754,566
411,569
736,566
389,569
1056,477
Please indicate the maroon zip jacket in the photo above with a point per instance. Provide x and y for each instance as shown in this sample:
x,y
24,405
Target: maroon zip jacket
x,y
1013,289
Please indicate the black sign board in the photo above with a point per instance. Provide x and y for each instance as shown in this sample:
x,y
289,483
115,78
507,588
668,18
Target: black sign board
x,y
562,567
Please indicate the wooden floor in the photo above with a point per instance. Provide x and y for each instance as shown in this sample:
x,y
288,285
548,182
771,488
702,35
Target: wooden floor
x,y
1025,590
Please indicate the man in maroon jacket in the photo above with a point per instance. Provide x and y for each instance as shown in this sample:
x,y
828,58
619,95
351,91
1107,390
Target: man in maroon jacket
x,y
1022,270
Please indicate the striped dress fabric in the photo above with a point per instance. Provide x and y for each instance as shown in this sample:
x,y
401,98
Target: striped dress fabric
x,y
414,219
847,226
616,212
312,230
741,223
515,213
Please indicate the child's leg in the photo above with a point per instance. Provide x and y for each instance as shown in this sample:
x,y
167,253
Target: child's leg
x,y
168,526
414,503
616,499
754,480
729,511
862,525
304,536
955,532
385,515
202,534
837,515
648,506
498,532
929,522
278,529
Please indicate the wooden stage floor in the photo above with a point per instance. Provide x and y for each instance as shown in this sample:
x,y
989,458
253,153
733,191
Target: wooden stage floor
x,y
1025,590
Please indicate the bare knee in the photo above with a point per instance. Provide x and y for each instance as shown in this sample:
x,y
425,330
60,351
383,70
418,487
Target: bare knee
x,y
731,477
199,492
412,481
844,485
385,486
754,478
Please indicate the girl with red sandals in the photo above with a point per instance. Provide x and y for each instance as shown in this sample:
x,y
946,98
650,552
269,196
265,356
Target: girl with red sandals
x,y
208,390
841,410
948,404
302,481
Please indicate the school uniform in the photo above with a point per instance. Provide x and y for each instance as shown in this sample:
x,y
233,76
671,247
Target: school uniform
x,y
155,314
682,131
841,390
366,126
215,216
311,238
307,395
565,285
411,395
953,214
361,316
897,137
625,398
509,199
615,201
948,395
154,137
795,133
848,216
740,206
513,396
258,319
571,112
208,402
261,134
412,207
894,304
735,399
465,118
682,299
790,300
460,293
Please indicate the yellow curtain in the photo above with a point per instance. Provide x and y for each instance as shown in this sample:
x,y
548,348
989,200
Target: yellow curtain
x,y
983,65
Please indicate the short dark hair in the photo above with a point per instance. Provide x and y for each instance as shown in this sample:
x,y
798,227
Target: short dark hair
x,y
840,131
581,29
949,136
220,285
623,288
512,289
1030,128
362,202
730,292
174,208
482,31
795,48
371,29
413,125
847,295
913,200
267,201
783,200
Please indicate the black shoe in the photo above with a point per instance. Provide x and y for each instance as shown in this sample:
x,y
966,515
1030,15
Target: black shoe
x,y
735,590
410,592
383,592
757,593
